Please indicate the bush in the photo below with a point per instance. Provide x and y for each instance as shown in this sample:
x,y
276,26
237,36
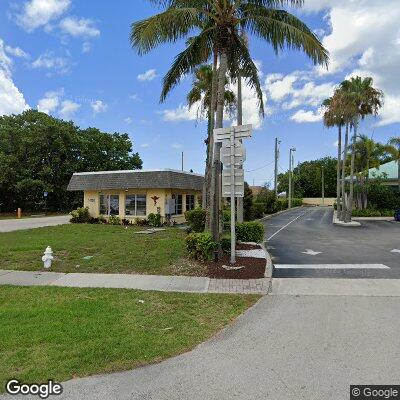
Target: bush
x,y
154,220
114,220
80,215
200,245
126,222
297,202
259,210
225,242
141,222
250,232
196,219
370,212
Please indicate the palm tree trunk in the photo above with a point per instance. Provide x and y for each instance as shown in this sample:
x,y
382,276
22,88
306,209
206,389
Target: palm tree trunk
x,y
344,202
216,178
210,145
398,167
239,122
353,156
339,161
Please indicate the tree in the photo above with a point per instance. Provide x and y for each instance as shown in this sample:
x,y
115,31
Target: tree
x,y
217,23
39,153
364,100
248,203
201,92
394,150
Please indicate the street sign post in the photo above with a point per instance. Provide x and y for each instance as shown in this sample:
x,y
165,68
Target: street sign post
x,y
233,155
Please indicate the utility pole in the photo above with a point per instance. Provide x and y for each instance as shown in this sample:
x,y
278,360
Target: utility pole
x,y
290,175
182,160
323,186
277,142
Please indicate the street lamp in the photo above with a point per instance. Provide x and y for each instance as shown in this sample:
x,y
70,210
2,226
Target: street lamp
x,y
291,151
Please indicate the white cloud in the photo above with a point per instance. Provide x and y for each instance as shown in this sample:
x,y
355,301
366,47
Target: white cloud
x,y
303,116
390,113
68,108
98,106
145,145
16,52
149,75
134,97
128,120
11,99
79,27
176,145
51,62
181,113
37,13
50,101
86,47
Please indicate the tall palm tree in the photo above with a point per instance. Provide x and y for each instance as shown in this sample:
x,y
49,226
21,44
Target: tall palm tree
x,y
201,93
217,24
394,150
366,100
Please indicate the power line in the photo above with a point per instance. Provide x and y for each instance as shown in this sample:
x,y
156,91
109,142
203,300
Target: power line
x,y
264,166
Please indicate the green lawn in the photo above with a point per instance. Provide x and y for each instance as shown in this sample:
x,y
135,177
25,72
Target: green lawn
x,y
62,333
114,249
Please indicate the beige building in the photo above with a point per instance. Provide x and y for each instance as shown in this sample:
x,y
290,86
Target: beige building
x,y
137,193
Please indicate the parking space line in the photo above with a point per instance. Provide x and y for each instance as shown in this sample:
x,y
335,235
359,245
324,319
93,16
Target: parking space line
x,y
331,266
285,226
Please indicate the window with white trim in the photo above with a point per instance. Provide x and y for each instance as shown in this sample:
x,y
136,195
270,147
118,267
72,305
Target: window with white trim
x,y
109,204
135,204
189,202
178,204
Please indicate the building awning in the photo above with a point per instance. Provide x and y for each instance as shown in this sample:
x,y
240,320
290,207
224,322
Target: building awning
x,y
136,179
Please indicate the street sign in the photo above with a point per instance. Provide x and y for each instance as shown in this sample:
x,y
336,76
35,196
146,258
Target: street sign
x,y
45,194
240,154
241,131
238,183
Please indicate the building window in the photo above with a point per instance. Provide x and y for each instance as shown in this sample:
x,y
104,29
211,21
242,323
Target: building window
x,y
189,202
109,204
178,204
135,204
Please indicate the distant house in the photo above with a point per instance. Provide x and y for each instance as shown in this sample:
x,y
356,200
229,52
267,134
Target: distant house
x,y
387,172
256,189
137,193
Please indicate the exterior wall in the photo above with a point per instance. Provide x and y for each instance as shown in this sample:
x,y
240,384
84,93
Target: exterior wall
x,y
153,205
317,201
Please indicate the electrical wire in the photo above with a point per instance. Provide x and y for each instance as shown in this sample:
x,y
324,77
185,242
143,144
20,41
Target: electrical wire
x,y
257,169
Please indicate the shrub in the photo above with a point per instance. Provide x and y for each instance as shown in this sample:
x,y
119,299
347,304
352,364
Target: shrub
x,y
281,204
250,232
80,215
225,242
370,212
114,220
200,245
196,219
93,220
126,222
154,220
259,210
297,202
141,222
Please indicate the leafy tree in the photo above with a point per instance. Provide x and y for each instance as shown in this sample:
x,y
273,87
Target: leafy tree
x,y
216,24
39,153
307,178
393,149
248,203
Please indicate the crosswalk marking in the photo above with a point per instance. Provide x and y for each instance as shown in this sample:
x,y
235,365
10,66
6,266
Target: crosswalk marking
x,y
331,266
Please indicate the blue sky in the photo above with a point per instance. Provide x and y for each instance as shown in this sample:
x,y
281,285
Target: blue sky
x,y
73,60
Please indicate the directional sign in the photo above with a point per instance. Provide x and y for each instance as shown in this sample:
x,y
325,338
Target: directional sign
x,y
241,131
238,183
239,153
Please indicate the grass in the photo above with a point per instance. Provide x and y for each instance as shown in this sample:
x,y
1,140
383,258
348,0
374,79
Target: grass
x,y
114,249
62,333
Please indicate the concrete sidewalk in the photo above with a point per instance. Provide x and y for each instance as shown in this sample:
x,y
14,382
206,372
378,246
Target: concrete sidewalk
x,y
9,225
191,284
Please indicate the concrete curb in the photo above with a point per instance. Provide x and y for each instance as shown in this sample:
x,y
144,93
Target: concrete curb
x,y
269,267
336,221
373,219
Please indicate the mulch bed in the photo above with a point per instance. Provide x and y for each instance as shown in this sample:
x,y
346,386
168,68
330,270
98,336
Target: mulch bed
x,y
254,268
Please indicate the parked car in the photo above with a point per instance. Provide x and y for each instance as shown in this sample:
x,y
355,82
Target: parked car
x,y
397,215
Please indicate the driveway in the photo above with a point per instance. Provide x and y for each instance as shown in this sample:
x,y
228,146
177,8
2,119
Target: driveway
x,y
304,243
8,225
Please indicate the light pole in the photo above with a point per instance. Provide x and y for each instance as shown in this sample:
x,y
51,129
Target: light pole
x,y
290,175
323,186
277,142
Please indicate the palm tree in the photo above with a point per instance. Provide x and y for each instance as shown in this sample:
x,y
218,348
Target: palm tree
x,y
394,150
217,23
365,100
201,93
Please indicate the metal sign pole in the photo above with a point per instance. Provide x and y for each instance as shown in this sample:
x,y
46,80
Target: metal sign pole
x,y
233,233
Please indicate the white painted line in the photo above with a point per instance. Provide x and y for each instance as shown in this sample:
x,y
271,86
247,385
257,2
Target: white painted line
x,y
283,227
331,266
395,251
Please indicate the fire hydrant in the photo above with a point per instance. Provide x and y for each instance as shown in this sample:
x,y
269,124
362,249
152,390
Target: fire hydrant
x,y
47,257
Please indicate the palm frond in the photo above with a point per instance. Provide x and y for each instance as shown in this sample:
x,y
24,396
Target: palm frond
x,y
198,52
168,26
282,29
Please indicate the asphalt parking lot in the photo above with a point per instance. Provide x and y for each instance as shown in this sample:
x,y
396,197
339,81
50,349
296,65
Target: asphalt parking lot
x,y
304,243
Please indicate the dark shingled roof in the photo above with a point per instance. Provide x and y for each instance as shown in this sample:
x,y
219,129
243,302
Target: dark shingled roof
x,y
168,179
